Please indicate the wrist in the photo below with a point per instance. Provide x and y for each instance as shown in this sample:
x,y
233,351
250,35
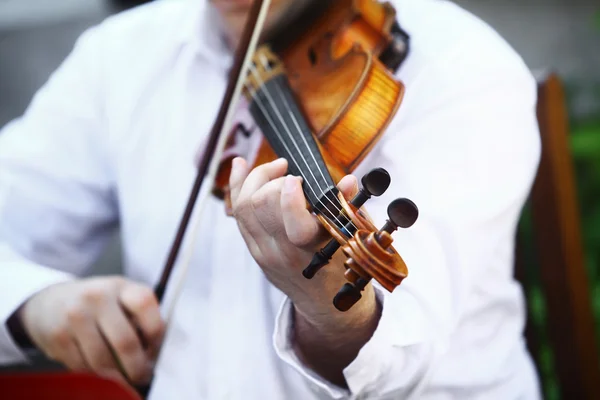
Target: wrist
x,y
327,345
326,320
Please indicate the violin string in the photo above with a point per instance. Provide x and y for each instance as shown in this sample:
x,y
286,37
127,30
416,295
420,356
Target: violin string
x,y
286,103
272,103
293,159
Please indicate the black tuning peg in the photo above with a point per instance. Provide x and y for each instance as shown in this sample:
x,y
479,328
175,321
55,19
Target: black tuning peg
x,y
349,294
402,213
374,183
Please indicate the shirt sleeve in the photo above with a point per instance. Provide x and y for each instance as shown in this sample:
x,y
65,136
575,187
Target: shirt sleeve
x,y
56,197
465,148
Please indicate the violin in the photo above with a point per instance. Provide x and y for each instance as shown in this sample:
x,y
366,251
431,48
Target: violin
x,y
322,96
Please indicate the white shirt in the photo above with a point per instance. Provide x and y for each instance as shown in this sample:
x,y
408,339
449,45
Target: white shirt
x,y
112,137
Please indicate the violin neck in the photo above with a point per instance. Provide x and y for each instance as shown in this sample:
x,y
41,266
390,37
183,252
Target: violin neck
x,y
284,126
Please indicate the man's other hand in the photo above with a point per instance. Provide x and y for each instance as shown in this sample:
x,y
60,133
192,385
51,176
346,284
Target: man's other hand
x,y
106,325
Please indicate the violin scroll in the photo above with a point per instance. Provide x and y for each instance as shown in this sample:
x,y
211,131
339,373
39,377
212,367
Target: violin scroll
x,y
368,249
370,255
374,183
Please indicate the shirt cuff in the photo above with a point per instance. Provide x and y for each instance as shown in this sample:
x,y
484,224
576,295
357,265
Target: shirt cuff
x,y
19,281
362,375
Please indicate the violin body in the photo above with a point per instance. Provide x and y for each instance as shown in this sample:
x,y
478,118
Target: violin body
x,y
347,94
322,100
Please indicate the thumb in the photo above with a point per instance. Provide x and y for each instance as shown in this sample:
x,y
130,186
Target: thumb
x,y
348,185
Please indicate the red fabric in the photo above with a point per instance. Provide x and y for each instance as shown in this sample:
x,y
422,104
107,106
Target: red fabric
x,y
62,386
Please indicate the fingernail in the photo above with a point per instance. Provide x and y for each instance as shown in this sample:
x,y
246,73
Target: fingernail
x,y
235,164
289,184
280,162
236,167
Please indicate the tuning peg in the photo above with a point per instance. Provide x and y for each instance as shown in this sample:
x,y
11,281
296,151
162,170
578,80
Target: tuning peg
x,y
349,295
321,259
374,183
402,213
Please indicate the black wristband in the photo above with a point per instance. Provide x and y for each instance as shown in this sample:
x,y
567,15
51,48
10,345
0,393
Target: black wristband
x,y
17,331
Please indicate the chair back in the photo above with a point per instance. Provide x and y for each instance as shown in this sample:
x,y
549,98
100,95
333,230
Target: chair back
x,y
558,248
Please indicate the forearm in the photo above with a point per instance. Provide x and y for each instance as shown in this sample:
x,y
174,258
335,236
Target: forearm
x,y
329,343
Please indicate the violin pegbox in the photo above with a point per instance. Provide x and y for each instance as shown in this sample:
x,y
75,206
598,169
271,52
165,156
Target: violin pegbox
x,y
369,251
370,256
374,183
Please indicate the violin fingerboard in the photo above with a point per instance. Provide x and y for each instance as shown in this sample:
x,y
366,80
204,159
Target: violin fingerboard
x,y
283,124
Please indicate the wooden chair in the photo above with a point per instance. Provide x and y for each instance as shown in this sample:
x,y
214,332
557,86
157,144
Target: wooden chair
x,y
557,244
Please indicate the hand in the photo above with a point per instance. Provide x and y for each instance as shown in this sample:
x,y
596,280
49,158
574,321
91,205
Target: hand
x,y
107,325
282,234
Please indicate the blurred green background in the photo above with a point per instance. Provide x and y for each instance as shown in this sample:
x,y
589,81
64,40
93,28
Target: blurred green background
x,y
585,145
585,149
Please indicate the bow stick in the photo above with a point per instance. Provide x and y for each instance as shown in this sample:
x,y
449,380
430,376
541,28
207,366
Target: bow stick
x,y
210,159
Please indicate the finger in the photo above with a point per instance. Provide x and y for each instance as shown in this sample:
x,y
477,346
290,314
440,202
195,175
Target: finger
x,y
348,185
141,306
260,176
266,203
243,209
251,241
68,353
94,348
239,172
125,343
302,228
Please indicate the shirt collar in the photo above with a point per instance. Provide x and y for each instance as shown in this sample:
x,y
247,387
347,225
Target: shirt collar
x,y
203,31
